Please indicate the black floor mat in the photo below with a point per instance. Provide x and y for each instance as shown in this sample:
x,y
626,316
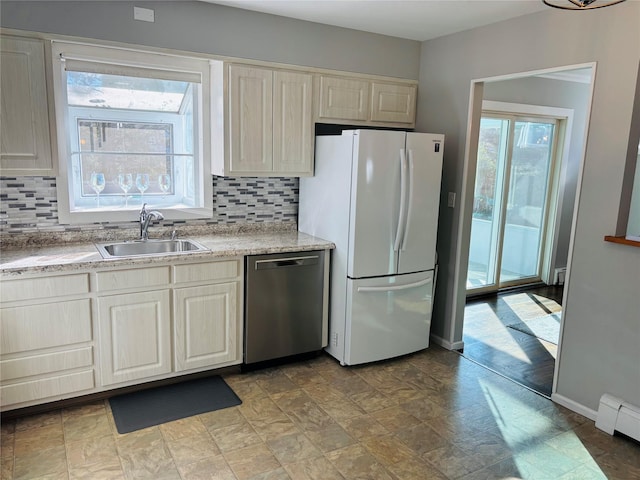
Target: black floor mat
x,y
146,408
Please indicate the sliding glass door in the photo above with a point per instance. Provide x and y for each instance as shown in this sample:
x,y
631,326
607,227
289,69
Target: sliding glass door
x,y
513,174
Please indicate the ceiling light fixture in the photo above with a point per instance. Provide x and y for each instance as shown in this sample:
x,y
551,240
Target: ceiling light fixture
x,y
580,4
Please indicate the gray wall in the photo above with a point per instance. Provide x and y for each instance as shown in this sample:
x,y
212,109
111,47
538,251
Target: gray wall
x,y
633,227
562,94
219,30
601,339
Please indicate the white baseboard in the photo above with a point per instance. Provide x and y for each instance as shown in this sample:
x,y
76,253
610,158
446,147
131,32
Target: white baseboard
x,y
574,406
446,343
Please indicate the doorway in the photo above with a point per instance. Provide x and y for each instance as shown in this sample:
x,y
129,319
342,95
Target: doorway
x,y
514,175
551,222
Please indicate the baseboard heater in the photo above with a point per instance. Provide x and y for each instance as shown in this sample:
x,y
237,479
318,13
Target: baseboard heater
x,y
558,275
616,415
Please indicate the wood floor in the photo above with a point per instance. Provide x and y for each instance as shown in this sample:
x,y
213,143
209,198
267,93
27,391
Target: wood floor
x,y
522,357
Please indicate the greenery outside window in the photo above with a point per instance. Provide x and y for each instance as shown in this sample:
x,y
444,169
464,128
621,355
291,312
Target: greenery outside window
x,y
132,129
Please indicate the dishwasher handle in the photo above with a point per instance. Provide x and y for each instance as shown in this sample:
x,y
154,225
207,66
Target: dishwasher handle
x,y
286,262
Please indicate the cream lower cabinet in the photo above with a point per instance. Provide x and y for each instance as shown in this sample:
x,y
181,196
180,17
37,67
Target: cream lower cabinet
x,y
135,336
66,335
191,325
205,325
46,339
207,314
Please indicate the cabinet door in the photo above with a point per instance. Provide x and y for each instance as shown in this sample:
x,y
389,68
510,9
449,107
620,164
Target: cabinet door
x,y
251,113
344,98
393,103
292,123
26,146
135,336
206,320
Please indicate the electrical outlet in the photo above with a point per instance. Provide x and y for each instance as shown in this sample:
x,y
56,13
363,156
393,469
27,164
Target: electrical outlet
x,y
143,14
451,200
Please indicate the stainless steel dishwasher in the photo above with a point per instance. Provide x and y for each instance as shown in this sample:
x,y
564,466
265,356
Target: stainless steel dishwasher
x,y
284,298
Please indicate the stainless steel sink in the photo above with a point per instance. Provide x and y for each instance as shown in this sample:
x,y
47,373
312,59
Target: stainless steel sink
x,y
138,248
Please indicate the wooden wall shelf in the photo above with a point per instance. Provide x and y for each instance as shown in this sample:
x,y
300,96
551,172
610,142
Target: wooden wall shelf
x,y
621,240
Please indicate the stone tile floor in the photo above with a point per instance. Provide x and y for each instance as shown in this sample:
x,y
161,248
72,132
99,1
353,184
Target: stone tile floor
x,y
430,415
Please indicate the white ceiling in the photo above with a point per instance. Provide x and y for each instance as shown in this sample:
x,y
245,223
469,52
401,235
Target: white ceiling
x,y
412,19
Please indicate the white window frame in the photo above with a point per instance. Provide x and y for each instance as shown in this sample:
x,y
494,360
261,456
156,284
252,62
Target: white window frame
x,y
130,59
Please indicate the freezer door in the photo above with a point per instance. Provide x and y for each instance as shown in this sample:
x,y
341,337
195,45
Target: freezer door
x,y
375,202
424,166
387,317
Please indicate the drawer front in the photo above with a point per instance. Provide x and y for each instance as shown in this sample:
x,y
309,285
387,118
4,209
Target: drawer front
x,y
139,278
44,326
46,387
47,287
46,363
203,272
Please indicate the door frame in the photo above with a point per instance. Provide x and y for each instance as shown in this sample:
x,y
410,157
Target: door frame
x,y
467,194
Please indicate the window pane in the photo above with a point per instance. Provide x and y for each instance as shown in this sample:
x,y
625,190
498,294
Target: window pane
x,y
526,200
114,148
492,146
130,93
125,137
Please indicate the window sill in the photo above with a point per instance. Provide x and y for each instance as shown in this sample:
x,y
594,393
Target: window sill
x,y
131,215
622,240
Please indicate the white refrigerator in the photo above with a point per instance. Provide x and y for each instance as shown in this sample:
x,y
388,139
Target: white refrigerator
x,y
376,194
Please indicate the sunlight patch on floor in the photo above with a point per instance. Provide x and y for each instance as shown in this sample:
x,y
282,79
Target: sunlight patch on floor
x,y
508,346
542,446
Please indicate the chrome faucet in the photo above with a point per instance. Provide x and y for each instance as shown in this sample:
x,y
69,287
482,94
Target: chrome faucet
x,y
145,219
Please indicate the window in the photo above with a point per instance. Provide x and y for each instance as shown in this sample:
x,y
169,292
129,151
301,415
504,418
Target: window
x,y
132,129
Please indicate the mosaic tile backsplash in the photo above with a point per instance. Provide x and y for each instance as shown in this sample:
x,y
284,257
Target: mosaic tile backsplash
x,y
29,205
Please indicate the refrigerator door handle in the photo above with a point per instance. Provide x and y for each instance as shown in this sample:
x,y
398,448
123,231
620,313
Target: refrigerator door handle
x,y
403,201
394,288
407,220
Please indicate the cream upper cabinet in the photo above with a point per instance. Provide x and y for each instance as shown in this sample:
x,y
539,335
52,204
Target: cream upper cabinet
x,y
292,123
344,98
267,120
25,146
364,101
393,103
250,117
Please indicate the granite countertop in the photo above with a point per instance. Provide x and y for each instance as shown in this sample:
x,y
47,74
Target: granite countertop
x,y
16,259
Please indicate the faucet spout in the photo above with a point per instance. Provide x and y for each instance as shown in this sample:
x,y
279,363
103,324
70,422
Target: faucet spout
x,y
145,218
